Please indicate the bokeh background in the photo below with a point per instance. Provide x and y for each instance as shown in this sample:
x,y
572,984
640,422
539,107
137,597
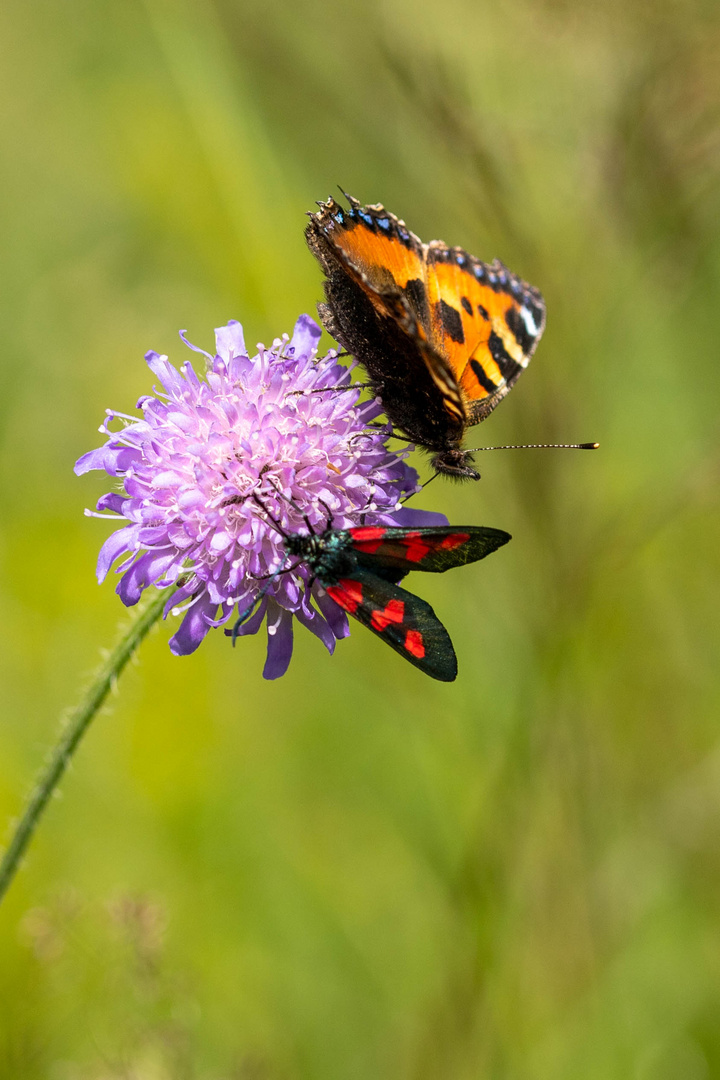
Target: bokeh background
x,y
356,872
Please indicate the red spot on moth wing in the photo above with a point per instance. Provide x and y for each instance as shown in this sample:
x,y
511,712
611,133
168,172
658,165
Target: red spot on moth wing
x,y
393,613
347,593
368,532
414,643
417,548
450,542
368,538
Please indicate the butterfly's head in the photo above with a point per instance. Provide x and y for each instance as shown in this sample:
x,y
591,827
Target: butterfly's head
x,y
455,463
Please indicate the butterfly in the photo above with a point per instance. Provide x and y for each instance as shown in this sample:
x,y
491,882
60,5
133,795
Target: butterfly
x,y
360,569
442,335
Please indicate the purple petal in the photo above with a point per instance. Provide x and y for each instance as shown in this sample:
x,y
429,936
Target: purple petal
x,y
312,620
105,457
229,341
119,541
148,569
112,501
253,623
226,609
416,519
280,642
305,336
169,376
180,596
334,614
193,628
195,348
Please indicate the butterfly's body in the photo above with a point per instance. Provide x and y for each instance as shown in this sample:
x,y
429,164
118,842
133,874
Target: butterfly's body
x,y
360,568
442,335
405,387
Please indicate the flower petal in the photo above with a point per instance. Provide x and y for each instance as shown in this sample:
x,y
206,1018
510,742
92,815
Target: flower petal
x,y
229,340
305,337
251,624
148,570
112,501
119,541
280,641
113,459
314,621
195,348
416,519
193,628
333,613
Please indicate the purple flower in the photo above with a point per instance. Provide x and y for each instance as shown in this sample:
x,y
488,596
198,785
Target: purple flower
x,y
191,468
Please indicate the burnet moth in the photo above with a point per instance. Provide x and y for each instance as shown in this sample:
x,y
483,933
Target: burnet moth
x,y
360,569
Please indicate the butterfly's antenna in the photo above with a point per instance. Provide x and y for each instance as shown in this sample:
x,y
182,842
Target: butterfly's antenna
x,y
537,446
276,525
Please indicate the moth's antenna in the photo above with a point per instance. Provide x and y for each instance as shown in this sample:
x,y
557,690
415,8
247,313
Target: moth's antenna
x,y
538,446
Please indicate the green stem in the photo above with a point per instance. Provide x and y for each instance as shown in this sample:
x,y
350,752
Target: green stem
x,y
73,730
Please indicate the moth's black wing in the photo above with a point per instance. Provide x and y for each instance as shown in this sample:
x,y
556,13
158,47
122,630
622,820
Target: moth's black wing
x,y
401,619
430,549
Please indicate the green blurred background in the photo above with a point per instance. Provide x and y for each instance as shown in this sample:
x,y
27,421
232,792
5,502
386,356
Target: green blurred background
x,y
356,872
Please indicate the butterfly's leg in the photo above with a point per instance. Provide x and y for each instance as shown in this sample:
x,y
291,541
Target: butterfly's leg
x,y
390,435
330,389
400,438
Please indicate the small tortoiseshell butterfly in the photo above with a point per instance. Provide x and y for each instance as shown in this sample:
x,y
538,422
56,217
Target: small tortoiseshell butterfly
x,y
360,569
443,336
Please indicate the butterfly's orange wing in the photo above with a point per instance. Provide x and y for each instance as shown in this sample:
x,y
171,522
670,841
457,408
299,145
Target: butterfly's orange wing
x,y
483,320
475,324
390,264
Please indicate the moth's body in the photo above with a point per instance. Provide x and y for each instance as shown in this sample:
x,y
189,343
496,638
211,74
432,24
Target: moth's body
x,y
360,569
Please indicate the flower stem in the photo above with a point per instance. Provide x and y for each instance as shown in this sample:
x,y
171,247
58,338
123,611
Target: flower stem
x,y
73,730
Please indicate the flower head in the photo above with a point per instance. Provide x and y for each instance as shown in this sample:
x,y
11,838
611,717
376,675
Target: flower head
x,y
206,457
